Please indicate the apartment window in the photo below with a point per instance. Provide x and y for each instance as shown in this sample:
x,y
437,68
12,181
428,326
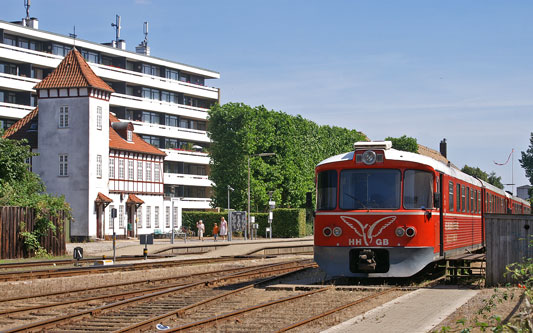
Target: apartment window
x,y
63,117
121,216
8,68
156,217
151,93
90,56
63,165
139,217
167,217
130,170
148,171
11,97
148,216
153,140
150,69
150,117
37,73
139,170
111,220
165,96
10,40
171,143
99,117
60,49
111,168
171,120
129,114
24,43
121,168
107,61
172,74
36,46
99,166
156,172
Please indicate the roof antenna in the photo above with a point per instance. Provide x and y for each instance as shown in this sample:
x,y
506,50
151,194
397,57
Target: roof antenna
x,y
73,35
145,31
117,27
27,4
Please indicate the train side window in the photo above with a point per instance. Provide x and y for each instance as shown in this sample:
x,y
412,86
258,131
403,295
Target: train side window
x,y
458,197
327,190
450,197
471,200
475,201
463,203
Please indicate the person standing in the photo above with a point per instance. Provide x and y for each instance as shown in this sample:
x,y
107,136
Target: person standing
x,y
201,228
215,231
223,228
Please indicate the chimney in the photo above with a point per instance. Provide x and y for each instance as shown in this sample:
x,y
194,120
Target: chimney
x,y
444,148
121,44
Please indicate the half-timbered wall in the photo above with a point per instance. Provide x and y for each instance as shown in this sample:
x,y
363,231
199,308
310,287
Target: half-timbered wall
x,y
135,173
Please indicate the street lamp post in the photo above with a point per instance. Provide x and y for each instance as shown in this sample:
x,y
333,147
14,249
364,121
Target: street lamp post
x,y
229,229
260,155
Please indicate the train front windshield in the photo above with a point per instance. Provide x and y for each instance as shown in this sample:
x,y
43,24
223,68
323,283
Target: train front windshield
x,y
369,189
374,189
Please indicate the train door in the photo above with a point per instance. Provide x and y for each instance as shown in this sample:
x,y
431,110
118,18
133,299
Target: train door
x,y
441,215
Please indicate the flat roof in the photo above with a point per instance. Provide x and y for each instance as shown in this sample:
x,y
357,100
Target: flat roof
x,y
46,35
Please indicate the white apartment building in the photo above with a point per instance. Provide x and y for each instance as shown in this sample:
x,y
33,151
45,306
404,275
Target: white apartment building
x,y
165,101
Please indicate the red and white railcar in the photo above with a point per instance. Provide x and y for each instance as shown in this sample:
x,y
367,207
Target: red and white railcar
x,y
382,212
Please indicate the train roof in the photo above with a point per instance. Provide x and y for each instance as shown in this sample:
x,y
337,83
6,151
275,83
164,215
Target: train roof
x,y
399,155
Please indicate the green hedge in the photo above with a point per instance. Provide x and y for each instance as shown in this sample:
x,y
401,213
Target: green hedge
x,y
288,222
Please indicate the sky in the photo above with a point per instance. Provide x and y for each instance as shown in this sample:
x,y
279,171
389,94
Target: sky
x,y
460,70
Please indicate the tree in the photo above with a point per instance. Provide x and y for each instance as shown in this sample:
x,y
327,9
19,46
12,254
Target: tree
x,y
404,143
239,132
480,174
21,187
527,160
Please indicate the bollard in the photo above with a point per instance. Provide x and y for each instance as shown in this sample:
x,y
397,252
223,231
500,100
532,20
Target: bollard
x,y
145,253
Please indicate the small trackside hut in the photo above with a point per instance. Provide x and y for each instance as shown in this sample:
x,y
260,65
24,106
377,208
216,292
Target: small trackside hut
x,y
382,212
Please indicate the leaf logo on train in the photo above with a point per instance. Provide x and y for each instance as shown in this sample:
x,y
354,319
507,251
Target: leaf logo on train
x,y
374,230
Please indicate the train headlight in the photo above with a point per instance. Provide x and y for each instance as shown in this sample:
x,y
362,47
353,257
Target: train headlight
x,y
410,232
326,231
399,232
337,231
369,157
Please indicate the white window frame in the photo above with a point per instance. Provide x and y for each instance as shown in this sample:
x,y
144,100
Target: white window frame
x,y
156,217
140,217
148,171
99,118
63,165
121,216
139,170
99,166
63,117
167,217
148,216
129,136
111,222
156,172
121,168
111,168
131,176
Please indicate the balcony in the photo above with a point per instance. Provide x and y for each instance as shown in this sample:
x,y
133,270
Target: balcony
x,y
189,180
16,82
159,106
14,111
187,156
146,80
170,131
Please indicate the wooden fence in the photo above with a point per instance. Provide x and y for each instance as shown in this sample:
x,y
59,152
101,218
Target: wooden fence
x,y
507,239
11,241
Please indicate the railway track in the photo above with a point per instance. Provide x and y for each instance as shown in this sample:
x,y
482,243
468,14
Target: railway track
x,y
75,271
146,302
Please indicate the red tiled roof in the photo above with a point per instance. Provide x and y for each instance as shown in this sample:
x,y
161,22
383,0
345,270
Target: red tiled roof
x,y
19,130
137,145
103,198
73,72
133,199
